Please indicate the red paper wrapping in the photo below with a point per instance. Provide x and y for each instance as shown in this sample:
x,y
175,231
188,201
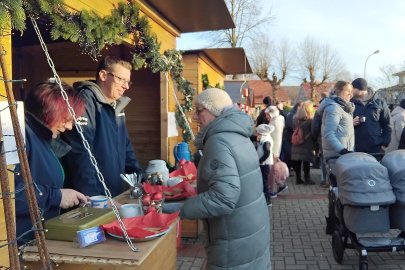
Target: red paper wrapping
x,y
187,171
137,227
180,191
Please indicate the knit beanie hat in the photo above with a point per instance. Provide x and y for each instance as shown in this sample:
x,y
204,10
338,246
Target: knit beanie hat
x,y
264,129
360,84
267,100
214,100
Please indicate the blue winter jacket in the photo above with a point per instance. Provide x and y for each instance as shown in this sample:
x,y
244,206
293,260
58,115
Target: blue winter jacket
x,y
376,130
337,127
103,126
46,172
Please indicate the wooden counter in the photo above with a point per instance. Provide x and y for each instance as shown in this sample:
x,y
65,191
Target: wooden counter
x,y
113,254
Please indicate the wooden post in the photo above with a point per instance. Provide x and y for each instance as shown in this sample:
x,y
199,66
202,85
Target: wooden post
x,y
25,170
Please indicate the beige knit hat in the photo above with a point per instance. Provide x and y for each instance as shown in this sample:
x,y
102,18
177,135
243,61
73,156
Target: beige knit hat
x,y
214,100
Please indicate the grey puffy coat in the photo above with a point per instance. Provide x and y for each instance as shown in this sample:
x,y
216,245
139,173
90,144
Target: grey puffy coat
x,y
398,124
230,196
337,128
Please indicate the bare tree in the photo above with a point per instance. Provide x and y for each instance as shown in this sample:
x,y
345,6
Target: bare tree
x,y
318,62
386,79
249,17
271,62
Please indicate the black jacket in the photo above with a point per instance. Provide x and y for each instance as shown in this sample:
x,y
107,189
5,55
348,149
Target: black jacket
x,y
104,128
376,130
47,174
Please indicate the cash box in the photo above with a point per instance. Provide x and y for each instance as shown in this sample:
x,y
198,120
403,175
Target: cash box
x,y
65,226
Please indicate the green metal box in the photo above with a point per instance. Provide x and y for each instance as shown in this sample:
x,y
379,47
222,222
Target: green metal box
x,y
65,226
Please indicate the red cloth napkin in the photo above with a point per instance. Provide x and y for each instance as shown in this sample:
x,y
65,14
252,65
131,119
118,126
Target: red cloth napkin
x,y
180,191
187,171
142,226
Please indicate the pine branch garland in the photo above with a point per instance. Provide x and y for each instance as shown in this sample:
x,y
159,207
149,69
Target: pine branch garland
x,y
93,33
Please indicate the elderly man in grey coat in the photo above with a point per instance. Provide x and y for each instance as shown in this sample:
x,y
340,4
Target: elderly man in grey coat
x,y
230,196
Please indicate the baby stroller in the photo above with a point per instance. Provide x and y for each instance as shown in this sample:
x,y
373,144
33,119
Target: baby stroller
x,y
360,199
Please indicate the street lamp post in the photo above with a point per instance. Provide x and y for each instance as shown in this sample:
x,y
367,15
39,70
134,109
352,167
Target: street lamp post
x,y
365,63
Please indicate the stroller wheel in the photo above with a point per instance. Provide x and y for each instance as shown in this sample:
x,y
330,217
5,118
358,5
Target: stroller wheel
x,y
337,246
363,266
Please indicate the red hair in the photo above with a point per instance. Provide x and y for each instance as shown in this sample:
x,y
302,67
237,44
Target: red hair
x,y
46,102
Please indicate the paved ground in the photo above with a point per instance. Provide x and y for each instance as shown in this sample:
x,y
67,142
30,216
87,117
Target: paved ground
x,y
298,234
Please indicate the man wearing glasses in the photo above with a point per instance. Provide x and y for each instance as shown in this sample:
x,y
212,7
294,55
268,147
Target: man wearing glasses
x,y
104,128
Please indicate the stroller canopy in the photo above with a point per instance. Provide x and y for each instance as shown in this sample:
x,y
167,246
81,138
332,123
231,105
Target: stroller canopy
x,y
363,181
395,163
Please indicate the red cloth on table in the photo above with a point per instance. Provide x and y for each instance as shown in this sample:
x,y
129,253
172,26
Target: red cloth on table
x,y
180,191
137,226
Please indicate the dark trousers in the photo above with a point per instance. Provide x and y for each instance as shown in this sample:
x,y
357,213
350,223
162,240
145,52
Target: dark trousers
x,y
265,176
297,169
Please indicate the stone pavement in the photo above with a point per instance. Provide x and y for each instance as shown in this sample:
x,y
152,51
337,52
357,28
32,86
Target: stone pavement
x,y
298,239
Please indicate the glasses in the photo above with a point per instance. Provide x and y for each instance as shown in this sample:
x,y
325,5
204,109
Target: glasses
x,y
120,80
199,111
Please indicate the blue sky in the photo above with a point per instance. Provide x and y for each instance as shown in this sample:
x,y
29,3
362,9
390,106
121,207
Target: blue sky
x,y
355,28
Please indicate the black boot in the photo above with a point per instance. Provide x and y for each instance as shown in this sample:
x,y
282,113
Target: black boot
x,y
307,176
298,180
297,169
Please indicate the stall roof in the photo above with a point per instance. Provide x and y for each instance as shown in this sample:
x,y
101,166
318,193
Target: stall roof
x,y
229,60
194,15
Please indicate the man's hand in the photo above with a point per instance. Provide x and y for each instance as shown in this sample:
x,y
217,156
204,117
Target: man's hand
x,y
71,198
356,121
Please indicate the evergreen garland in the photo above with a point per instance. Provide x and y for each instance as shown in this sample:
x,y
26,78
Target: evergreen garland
x,y
93,33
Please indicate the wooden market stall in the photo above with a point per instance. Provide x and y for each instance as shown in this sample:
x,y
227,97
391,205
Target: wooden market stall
x,y
214,65
152,99
113,254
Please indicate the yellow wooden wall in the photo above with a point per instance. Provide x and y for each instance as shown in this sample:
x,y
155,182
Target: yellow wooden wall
x,y
195,65
5,42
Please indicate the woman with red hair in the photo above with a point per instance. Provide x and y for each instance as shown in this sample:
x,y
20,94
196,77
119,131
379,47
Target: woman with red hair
x,y
46,116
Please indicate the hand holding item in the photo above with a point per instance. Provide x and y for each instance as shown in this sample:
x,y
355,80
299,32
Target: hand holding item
x,y
356,121
71,198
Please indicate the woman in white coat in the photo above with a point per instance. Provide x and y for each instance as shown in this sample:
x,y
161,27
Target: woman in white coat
x,y
398,124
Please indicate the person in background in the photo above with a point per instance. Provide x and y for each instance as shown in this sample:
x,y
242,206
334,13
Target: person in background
x,y
398,124
46,117
265,153
230,196
372,127
278,122
337,123
287,134
316,133
103,126
304,153
280,107
337,135
261,119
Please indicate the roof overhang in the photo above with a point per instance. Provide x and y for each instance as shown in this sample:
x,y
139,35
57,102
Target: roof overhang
x,y
194,15
229,60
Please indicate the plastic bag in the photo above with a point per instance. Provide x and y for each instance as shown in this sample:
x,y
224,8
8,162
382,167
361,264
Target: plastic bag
x,y
280,172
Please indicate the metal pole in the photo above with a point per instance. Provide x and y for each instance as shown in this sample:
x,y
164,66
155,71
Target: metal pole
x,y
365,63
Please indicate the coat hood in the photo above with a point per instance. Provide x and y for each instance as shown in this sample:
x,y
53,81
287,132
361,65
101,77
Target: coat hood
x,y
337,101
397,110
118,105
